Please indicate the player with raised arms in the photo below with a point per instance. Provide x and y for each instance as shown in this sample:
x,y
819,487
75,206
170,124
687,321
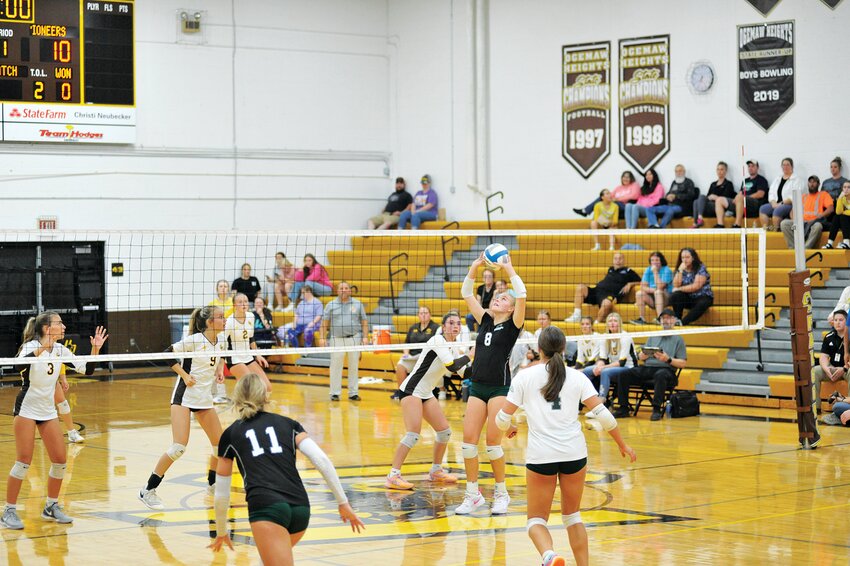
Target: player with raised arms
x,y
490,376
34,408
192,394
417,401
239,333
263,445
557,452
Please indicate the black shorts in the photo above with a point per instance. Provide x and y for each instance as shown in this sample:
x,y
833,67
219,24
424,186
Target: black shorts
x,y
554,468
191,410
752,207
595,296
293,518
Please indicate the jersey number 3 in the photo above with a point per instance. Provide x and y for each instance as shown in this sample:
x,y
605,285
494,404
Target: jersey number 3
x,y
258,450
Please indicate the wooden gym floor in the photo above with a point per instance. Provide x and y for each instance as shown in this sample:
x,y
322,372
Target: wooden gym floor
x,y
728,488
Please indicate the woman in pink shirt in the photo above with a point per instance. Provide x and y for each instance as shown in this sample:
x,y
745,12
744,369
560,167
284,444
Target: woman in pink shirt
x,y
313,275
627,191
650,195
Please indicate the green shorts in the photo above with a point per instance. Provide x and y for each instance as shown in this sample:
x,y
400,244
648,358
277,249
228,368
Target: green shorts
x,y
486,392
293,518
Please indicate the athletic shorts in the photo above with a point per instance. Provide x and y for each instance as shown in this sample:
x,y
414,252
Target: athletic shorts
x,y
293,518
402,395
595,296
554,468
486,392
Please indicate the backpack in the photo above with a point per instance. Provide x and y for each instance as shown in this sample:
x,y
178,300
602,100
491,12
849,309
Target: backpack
x,y
684,404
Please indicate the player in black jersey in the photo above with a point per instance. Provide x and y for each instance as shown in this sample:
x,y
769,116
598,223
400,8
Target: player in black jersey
x,y
499,327
263,445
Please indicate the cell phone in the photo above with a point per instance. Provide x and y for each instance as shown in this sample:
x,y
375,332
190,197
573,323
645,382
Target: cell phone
x,y
650,350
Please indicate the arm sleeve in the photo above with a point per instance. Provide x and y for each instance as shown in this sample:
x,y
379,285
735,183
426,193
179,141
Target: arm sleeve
x,y
320,460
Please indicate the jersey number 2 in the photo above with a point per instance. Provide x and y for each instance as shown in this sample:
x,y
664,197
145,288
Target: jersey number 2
x,y
258,450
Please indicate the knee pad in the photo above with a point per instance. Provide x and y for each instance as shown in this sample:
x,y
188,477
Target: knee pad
x,y
19,470
443,436
572,519
57,471
495,452
64,407
469,451
410,439
175,451
535,521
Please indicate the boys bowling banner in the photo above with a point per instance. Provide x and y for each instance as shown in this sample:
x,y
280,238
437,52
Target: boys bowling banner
x,y
766,71
763,6
586,105
645,100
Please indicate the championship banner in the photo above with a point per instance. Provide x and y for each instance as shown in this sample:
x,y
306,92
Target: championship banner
x,y
831,3
645,100
764,6
766,71
586,105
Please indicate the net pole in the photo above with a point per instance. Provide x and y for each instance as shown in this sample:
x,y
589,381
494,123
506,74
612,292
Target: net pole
x,y
745,282
762,278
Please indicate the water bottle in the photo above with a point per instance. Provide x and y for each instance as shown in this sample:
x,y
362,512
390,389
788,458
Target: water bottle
x,y
669,409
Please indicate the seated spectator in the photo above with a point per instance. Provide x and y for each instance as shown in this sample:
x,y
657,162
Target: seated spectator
x,y
833,184
627,191
817,209
423,207
544,319
263,322
484,294
312,275
691,287
587,349
618,355
679,199
778,206
831,362
842,220
650,195
223,297
283,279
655,287
614,287
308,319
706,205
247,284
605,216
752,196
840,414
418,333
396,203
522,355
501,287
658,370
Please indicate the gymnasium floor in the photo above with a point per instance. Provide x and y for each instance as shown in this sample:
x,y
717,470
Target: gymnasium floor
x,y
714,489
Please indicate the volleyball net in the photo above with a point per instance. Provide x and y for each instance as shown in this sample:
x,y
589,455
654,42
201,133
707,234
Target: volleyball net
x,y
142,286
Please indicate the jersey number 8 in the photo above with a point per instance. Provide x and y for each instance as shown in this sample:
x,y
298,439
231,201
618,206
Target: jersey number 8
x,y
488,338
258,450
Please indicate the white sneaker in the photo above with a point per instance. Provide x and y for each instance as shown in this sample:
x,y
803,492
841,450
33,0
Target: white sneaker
x,y
470,504
573,318
74,436
151,499
500,504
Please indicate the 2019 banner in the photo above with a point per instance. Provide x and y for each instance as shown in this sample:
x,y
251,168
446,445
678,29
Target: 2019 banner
x,y
766,71
586,105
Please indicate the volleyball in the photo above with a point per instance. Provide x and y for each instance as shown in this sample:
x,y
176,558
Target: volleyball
x,y
495,254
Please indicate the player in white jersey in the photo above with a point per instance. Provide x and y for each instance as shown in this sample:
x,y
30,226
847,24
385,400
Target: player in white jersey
x,y
193,394
239,334
34,408
417,401
557,452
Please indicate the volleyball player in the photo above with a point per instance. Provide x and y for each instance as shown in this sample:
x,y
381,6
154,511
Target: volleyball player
x,y
239,333
498,329
64,408
557,452
34,408
263,445
417,401
192,394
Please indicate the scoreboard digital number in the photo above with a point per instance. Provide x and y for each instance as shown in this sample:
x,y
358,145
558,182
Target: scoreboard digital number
x,y
67,52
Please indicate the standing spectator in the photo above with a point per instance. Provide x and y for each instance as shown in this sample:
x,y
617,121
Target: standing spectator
x,y
587,349
618,355
691,287
308,318
606,215
614,287
831,362
650,195
627,191
263,322
283,279
654,287
223,297
484,294
706,205
842,220
679,198
396,203
833,184
752,196
817,208
423,207
247,284
312,275
778,206
344,323
418,333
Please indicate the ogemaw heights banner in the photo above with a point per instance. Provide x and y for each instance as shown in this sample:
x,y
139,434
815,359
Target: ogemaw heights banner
x,y
766,71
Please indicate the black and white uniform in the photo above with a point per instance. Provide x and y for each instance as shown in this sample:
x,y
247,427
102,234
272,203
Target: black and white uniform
x,y
264,450
35,401
493,351
239,336
199,396
436,358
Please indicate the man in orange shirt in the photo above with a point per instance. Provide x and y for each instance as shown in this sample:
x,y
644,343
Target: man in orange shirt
x,y
817,207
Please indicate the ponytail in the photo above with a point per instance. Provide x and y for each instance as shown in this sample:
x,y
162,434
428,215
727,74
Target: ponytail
x,y
249,396
552,344
198,320
34,326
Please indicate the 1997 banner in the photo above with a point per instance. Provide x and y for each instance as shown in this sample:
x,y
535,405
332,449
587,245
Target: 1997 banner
x,y
766,71
586,105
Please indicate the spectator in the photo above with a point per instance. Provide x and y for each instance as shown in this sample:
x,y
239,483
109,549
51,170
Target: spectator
x,y
484,294
312,275
817,208
283,279
627,191
748,201
308,318
618,356
833,184
615,286
842,220
223,297
843,303
501,287
344,323
779,197
522,355
544,319
418,333
263,321
654,287
706,205
831,363
840,414
247,284
679,198
423,207
650,195
396,203
588,350
691,287
605,215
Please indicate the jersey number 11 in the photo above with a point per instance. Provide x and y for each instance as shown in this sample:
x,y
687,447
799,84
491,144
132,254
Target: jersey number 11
x,y
258,450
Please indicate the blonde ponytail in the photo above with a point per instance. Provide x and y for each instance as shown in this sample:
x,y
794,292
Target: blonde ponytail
x,y
249,396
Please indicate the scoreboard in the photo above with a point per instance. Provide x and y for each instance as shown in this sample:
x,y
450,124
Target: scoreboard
x,y
67,70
